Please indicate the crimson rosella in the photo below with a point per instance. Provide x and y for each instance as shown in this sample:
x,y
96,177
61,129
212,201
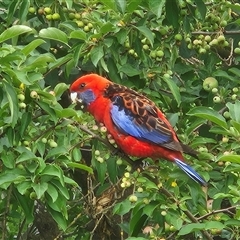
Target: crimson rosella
x,y
138,127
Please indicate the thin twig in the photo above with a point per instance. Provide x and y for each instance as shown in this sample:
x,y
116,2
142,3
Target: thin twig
x,y
227,210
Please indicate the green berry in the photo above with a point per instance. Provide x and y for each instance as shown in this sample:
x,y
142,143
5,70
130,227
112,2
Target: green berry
x,y
133,198
33,94
234,96
47,10
214,90
237,50
21,97
22,105
160,53
235,89
44,140
56,16
31,10
217,99
131,51
226,115
178,37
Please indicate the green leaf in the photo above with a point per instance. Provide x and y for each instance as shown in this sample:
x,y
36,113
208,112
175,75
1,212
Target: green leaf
x,y
192,227
96,54
110,4
31,46
9,177
23,11
26,156
129,70
40,188
54,171
58,217
121,5
201,8
112,169
147,33
106,28
78,34
24,186
48,110
234,109
52,191
54,34
156,6
174,89
14,31
25,121
230,158
12,101
26,204
208,114
62,189
59,89
172,12
80,166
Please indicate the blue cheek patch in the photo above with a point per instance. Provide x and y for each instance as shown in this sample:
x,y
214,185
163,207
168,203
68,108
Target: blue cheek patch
x,y
87,96
124,121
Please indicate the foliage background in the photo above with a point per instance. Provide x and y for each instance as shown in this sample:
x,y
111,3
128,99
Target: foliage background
x,y
60,174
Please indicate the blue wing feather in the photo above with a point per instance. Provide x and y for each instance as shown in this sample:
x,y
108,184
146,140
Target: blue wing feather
x,y
124,120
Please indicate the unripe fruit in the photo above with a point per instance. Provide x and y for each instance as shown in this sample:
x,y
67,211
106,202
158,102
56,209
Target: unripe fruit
x,y
21,97
166,75
119,162
53,144
33,195
127,44
153,54
131,51
140,190
133,198
221,39
47,10
178,37
86,29
209,83
226,115
90,25
235,90
56,16
207,38
160,53
163,213
234,96
31,10
225,139
223,23
127,174
217,99
22,105
80,23
100,159
71,15
77,16
49,17
44,140
202,50
97,152
33,94
145,47
214,90
103,129
237,50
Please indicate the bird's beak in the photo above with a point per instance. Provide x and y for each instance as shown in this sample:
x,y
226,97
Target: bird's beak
x,y
75,97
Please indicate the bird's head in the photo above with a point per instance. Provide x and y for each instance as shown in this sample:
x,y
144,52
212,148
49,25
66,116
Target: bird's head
x,y
87,88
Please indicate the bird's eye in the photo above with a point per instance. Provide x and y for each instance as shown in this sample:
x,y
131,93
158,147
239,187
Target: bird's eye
x,y
82,85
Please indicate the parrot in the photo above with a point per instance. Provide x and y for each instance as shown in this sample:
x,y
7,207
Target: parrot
x,y
137,125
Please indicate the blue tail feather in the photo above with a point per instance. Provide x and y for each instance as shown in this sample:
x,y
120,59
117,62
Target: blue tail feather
x,y
190,172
